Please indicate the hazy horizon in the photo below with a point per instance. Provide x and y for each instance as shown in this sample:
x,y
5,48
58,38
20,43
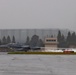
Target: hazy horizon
x,y
21,34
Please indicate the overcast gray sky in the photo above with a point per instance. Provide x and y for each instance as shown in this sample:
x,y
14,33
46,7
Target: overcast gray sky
x,y
22,14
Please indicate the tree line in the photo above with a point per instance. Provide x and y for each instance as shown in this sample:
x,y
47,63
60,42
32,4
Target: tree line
x,y
35,41
66,42
6,40
63,42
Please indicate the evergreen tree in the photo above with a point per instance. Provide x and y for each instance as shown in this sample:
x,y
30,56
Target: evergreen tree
x,y
13,40
68,39
51,36
34,41
27,40
40,43
0,42
73,39
59,38
63,42
8,39
4,40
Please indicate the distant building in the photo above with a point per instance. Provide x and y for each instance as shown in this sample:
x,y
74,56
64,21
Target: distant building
x,y
51,43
